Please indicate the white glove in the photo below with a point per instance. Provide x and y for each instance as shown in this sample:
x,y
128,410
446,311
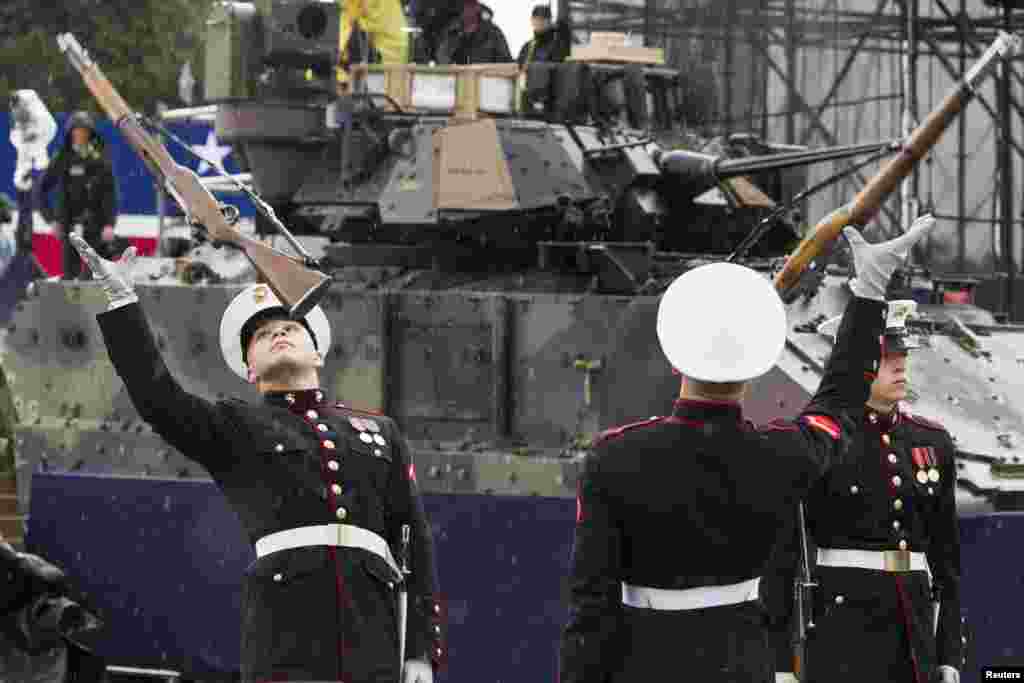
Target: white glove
x,y
417,671
948,674
110,275
875,263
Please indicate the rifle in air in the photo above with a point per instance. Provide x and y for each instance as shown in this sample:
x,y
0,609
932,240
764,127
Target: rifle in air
x,y
295,280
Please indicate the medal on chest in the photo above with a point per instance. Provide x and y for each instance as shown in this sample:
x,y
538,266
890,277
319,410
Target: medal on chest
x,y
927,464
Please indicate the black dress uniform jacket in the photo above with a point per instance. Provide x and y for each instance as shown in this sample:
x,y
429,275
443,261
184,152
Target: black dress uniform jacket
x,y
894,488
296,459
691,500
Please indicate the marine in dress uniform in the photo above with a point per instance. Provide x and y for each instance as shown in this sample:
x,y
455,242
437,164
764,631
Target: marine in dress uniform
x,y
883,533
677,516
323,491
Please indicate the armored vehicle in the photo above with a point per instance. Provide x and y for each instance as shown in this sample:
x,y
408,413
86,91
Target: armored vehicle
x,y
499,240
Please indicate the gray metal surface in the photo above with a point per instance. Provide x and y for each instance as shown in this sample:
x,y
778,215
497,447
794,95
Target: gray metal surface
x,y
491,387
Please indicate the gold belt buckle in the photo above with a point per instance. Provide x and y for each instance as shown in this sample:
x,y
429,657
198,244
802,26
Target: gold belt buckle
x,y
897,560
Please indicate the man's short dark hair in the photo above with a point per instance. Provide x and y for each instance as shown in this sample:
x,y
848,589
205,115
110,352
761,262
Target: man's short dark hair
x,y
541,11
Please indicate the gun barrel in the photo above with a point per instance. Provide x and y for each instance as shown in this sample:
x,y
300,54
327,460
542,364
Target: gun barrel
x,y
698,172
727,168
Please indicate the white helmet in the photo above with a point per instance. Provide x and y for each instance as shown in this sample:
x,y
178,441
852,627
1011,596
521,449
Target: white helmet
x,y
250,302
721,323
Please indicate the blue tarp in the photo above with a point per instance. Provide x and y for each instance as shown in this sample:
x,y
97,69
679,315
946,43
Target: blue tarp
x,y
164,560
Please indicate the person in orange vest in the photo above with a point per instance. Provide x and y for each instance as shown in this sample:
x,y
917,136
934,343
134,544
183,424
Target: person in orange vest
x,y
383,21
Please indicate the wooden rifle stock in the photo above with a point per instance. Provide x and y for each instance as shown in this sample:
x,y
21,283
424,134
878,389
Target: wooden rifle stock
x,y
869,200
298,287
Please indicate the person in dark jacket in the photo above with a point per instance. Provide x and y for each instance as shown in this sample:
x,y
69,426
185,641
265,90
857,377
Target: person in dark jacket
x,y
326,492
88,191
884,543
677,516
550,42
473,38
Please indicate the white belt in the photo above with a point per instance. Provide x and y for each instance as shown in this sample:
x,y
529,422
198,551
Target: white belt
x,y
879,560
339,535
690,598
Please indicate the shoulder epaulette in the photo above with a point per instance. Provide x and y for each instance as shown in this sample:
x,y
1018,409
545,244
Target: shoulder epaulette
x,y
822,423
925,422
616,432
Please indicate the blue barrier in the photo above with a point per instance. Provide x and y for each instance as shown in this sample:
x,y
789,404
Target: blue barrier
x,y
992,558
164,559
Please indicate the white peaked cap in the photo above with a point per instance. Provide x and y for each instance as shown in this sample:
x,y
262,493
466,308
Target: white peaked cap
x,y
251,301
722,323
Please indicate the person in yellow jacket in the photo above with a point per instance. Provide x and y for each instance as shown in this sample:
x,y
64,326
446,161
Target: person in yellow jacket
x,y
383,21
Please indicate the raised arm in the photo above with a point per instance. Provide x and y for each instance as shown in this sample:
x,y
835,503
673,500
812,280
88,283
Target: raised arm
x,y
846,384
189,423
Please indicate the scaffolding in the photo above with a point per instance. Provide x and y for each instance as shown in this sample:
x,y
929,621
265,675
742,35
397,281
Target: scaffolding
x,y
831,72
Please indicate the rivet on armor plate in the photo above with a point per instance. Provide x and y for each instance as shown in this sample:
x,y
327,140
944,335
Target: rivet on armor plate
x,y
311,414
341,513
333,465
903,545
